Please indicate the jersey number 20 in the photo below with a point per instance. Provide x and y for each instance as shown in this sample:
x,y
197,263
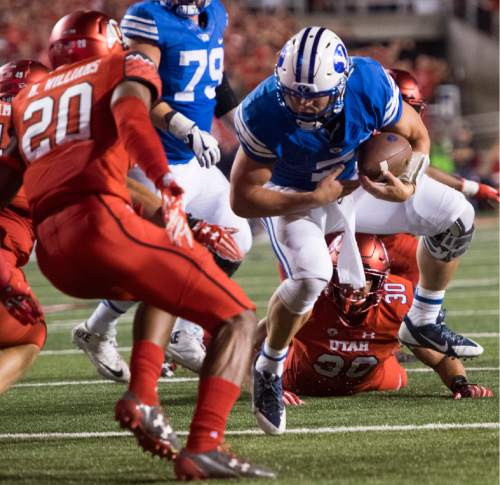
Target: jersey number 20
x,y
67,128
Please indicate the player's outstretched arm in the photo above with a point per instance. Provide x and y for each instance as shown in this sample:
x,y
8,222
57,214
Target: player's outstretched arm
x,y
469,188
452,373
217,239
249,197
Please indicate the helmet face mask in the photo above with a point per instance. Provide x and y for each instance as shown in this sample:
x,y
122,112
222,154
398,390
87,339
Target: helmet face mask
x,y
353,304
84,34
186,8
313,64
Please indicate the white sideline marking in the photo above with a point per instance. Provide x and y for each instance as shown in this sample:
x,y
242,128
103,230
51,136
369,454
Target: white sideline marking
x,y
175,380
168,380
329,430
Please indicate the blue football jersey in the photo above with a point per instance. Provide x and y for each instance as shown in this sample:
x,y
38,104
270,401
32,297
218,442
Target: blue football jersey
x,y
192,61
269,133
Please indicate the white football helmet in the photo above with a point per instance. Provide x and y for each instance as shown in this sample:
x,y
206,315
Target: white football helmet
x,y
186,8
313,63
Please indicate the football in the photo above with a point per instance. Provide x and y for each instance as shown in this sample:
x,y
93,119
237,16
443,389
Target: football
x,y
386,151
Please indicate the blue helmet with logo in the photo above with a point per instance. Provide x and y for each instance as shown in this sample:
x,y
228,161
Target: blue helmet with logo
x,y
313,63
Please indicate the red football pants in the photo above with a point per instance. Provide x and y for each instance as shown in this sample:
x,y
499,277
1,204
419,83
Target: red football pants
x,y
14,333
100,248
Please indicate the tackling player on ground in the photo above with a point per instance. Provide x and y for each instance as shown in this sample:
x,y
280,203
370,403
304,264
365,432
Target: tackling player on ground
x,y
78,130
22,325
185,39
349,343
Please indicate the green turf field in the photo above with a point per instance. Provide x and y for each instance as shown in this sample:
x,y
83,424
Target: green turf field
x,y
418,435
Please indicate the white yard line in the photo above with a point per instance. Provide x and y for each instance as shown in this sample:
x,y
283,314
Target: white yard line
x,y
43,353
92,382
468,369
175,380
244,432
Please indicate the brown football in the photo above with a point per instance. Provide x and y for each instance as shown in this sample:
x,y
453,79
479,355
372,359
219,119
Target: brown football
x,y
384,151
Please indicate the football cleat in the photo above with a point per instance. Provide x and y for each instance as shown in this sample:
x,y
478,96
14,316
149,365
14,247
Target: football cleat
x,y
149,425
437,336
218,463
102,352
267,402
186,348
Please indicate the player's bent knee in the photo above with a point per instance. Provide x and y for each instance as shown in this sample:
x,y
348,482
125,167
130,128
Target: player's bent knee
x,y
299,296
455,241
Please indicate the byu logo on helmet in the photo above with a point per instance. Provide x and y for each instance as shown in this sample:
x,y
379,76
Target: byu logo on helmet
x,y
340,59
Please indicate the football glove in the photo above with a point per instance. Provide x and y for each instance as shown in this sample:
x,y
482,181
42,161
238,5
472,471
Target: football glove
x,y
479,191
204,145
20,301
291,399
461,388
174,216
217,239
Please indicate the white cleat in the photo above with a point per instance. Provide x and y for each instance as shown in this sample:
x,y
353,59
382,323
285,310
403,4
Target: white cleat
x,y
102,352
187,349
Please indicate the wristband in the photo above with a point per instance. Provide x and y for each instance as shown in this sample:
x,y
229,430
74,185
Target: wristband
x,y
469,188
179,125
457,382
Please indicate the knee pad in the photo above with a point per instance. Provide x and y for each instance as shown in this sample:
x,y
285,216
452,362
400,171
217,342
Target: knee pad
x,y
299,296
455,241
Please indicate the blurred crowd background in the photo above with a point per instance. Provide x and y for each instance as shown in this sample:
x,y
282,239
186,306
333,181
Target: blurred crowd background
x,y
461,113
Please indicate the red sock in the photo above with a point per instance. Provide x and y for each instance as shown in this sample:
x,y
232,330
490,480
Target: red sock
x,y
145,369
216,398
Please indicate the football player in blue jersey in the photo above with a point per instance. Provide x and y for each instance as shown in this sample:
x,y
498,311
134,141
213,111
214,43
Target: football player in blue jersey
x,y
299,131
185,40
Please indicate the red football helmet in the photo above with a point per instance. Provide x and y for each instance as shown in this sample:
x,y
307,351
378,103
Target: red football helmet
x,y
408,86
353,304
84,34
15,75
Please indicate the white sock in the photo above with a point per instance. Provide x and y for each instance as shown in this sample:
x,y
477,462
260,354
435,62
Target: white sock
x,y
426,306
271,360
106,315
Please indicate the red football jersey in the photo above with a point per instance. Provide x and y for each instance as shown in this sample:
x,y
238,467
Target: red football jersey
x,y
328,357
19,202
67,134
402,251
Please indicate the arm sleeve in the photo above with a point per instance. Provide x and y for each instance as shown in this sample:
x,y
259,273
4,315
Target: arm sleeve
x,y
139,24
251,145
225,98
139,137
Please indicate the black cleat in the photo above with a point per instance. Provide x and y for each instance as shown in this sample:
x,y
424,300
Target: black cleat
x,y
218,463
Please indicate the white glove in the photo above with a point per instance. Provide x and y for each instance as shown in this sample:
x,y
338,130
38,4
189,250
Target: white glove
x,y
203,144
416,168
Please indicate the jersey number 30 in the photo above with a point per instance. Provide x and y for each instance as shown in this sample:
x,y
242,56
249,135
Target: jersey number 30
x,y
331,366
72,120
